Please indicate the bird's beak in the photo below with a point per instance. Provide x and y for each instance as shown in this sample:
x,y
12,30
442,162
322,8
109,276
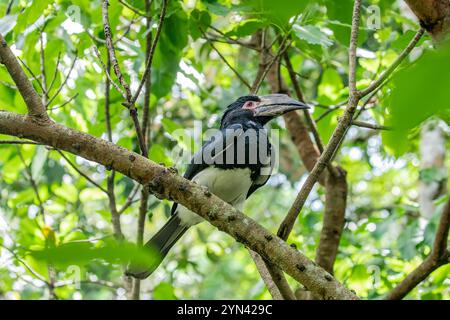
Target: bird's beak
x,y
274,105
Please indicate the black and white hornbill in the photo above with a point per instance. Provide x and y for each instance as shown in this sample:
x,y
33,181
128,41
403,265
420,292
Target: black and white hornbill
x,y
233,164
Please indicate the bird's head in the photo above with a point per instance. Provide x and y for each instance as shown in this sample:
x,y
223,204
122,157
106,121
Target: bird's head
x,y
259,109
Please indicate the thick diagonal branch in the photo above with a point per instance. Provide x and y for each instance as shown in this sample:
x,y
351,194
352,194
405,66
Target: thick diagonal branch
x,y
36,108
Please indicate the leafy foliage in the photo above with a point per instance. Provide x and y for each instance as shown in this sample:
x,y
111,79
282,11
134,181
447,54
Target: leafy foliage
x,y
62,228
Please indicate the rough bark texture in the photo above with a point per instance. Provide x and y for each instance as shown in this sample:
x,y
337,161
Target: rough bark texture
x,y
36,107
434,16
266,276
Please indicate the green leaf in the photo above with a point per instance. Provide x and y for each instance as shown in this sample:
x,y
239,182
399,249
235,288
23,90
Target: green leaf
x,y
246,28
170,126
174,39
419,92
38,163
429,175
278,12
158,155
164,291
312,35
80,253
198,21
31,14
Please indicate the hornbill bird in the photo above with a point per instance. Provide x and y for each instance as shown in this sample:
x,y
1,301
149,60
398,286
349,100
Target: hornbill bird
x,y
233,164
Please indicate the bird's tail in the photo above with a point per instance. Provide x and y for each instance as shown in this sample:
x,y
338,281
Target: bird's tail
x,y
160,244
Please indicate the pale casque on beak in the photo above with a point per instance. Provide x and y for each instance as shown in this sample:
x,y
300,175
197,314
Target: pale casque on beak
x,y
274,105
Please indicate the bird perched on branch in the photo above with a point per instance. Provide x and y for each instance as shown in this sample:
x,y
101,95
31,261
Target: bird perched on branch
x,y
233,164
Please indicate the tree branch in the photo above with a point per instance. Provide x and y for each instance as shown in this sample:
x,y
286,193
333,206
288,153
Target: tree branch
x,y
240,77
336,138
434,16
367,125
36,108
333,220
149,61
374,85
130,102
439,256
266,276
166,184
81,173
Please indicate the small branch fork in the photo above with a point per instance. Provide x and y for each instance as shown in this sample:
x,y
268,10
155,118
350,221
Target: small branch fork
x,y
130,99
344,122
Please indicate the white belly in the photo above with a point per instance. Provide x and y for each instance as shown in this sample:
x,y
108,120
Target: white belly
x,y
230,185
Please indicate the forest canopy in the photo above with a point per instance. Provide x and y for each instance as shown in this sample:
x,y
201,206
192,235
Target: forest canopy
x,y
357,207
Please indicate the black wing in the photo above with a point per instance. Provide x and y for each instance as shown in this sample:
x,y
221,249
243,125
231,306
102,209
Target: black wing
x,y
265,173
198,164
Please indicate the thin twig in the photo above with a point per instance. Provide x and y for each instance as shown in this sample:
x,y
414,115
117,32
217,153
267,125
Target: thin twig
x,y
241,78
9,7
230,41
129,103
55,74
258,81
106,284
135,10
65,103
152,51
81,173
330,110
288,223
367,125
131,199
146,117
62,84
374,85
34,77
112,51
19,142
311,123
26,265
34,185
108,74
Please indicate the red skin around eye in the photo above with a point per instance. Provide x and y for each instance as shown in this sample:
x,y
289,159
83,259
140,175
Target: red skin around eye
x,y
249,105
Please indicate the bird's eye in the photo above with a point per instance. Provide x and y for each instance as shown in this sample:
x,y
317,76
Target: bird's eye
x,y
249,105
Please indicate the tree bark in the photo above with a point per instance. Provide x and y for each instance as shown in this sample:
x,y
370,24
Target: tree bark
x,y
434,16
